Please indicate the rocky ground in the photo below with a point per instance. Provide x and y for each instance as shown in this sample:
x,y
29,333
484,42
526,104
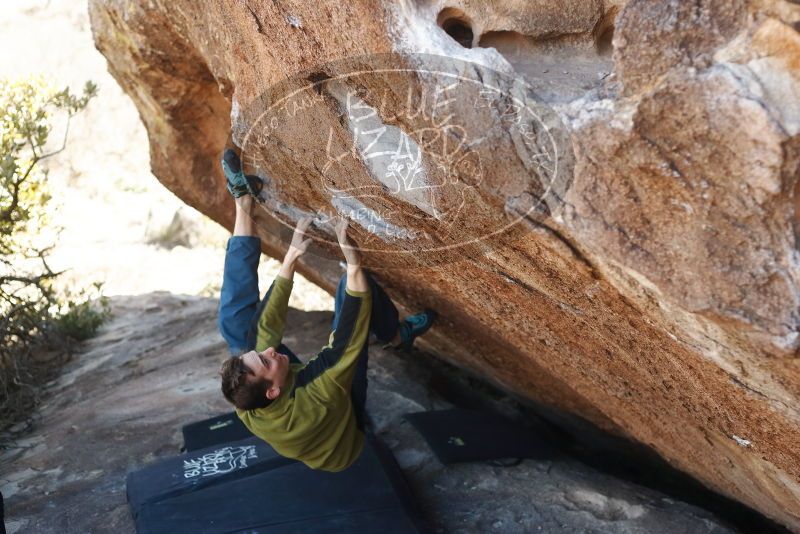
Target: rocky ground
x,y
121,402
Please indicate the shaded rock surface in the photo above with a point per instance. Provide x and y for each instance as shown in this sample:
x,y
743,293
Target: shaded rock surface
x,y
648,282
121,403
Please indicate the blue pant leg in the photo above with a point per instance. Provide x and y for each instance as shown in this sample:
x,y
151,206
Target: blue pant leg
x,y
239,294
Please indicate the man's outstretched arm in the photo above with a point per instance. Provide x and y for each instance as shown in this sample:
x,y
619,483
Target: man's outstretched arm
x,y
297,248
356,278
272,320
337,360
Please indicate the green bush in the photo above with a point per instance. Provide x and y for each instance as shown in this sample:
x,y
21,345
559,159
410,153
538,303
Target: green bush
x,y
35,317
81,315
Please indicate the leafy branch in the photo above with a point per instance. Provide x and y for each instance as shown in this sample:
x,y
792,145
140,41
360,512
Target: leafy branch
x,y
35,317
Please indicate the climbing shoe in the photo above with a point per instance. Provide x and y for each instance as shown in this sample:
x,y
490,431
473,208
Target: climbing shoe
x,y
239,184
414,326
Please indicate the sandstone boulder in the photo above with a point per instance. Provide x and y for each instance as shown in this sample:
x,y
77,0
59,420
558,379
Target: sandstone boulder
x,y
599,197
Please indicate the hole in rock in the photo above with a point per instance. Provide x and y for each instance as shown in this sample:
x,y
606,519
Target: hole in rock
x,y
318,79
457,25
604,33
604,40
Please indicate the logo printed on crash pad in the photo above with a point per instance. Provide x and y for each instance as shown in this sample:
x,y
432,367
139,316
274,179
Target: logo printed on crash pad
x,y
219,462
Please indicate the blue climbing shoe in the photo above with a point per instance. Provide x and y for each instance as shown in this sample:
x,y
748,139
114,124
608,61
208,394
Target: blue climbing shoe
x,y
239,184
414,326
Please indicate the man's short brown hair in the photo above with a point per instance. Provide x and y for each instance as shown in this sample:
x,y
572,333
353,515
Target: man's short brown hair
x,y
241,387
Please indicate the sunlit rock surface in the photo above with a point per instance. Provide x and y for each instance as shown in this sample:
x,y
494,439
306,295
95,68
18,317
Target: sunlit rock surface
x,y
598,197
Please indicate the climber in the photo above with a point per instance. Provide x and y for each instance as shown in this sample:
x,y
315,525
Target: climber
x,y
315,412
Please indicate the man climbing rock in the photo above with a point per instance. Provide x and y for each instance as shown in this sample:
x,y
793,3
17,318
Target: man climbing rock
x,y
313,412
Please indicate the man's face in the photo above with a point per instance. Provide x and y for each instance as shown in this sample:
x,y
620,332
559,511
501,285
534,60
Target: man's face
x,y
270,365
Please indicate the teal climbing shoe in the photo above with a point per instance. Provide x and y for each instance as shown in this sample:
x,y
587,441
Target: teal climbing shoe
x,y
239,184
414,326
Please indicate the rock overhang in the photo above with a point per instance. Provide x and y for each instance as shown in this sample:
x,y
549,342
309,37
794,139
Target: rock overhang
x,y
653,290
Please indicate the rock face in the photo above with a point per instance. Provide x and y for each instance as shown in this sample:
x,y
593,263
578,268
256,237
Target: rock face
x,y
600,198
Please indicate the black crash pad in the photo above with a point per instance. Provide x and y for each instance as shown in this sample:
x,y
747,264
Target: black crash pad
x,y
468,436
221,429
245,486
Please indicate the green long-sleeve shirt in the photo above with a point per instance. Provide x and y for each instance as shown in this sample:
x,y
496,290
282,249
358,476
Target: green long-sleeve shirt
x,y
312,420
